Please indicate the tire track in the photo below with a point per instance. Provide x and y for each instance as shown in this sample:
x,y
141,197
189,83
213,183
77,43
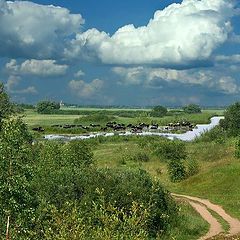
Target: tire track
x,y
202,206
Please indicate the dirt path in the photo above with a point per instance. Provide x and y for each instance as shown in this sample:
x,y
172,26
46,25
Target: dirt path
x,y
202,206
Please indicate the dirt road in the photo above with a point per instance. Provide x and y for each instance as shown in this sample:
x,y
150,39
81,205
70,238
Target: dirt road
x,y
202,206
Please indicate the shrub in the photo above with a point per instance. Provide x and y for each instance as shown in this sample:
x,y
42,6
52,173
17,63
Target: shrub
x,y
6,107
140,157
159,111
237,148
18,199
170,150
47,107
192,108
217,134
231,123
176,170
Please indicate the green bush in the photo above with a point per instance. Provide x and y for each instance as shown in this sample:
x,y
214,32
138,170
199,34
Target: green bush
x,y
141,157
159,111
6,107
192,108
170,150
217,134
176,170
237,148
231,123
47,107
18,198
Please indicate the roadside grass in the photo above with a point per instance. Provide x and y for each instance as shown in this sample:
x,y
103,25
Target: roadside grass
x,y
219,184
191,225
223,223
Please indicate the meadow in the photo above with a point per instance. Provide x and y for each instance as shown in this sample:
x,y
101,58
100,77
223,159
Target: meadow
x,y
32,118
217,174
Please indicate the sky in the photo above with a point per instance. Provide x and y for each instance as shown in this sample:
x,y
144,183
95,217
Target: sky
x,y
132,53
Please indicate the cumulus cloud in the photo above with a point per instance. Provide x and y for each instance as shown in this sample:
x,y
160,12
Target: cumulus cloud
x,y
13,83
155,77
233,59
30,30
179,35
43,68
80,73
86,90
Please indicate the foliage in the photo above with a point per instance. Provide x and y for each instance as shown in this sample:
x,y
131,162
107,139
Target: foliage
x,y
192,108
112,223
171,150
6,108
17,197
231,123
159,111
47,107
77,154
237,148
176,170
59,167
217,134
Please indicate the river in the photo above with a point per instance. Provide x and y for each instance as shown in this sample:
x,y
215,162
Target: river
x,y
187,136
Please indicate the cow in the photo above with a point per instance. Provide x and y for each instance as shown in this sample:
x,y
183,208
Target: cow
x,y
38,129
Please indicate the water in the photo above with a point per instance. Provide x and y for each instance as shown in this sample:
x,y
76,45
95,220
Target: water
x,y
188,136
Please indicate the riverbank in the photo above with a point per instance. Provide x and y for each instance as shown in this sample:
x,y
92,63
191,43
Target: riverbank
x,y
187,136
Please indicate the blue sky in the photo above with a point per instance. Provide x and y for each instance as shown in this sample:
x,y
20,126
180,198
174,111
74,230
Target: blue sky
x,y
138,52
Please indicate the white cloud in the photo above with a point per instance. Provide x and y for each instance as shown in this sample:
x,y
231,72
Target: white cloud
x,y
86,90
235,38
42,68
80,73
13,83
37,31
154,77
228,59
181,34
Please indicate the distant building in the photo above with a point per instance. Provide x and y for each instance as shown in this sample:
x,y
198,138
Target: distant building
x,y
61,104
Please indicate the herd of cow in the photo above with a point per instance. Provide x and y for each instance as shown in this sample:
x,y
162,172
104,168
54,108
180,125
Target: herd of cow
x,y
114,126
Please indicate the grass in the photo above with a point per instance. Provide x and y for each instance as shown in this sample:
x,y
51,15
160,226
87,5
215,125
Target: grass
x,y
104,109
191,226
218,179
32,118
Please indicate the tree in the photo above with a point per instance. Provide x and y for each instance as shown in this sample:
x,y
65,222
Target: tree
x,y
46,107
17,198
231,122
6,108
192,108
159,111
175,153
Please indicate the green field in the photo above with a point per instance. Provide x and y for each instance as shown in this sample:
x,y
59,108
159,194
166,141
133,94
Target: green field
x,y
32,118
